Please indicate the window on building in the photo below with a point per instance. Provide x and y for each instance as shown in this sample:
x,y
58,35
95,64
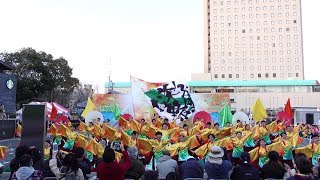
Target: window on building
x,y
230,76
244,68
281,67
259,75
259,67
273,67
289,67
273,59
216,76
289,75
274,75
230,68
297,74
237,75
223,76
295,21
297,67
243,31
251,76
296,60
267,75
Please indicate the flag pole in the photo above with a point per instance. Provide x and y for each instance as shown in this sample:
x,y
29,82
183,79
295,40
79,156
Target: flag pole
x,y
134,113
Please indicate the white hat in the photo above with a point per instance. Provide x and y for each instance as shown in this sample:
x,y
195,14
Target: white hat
x,y
215,155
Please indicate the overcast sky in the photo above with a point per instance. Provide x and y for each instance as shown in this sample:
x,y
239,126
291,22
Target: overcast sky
x,y
156,40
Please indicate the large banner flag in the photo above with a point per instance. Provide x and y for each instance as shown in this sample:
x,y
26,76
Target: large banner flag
x,y
258,111
172,101
142,107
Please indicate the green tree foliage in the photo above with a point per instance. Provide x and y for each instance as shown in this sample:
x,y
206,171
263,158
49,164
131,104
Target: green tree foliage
x,y
40,76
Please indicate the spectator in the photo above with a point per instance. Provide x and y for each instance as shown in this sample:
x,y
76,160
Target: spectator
x,y
304,168
216,167
26,171
245,171
14,164
84,164
273,168
136,171
36,157
109,168
191,169
316,172
173,176
70,168
166,165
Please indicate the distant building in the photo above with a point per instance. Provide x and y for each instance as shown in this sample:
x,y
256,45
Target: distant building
x,y
252,40
8,86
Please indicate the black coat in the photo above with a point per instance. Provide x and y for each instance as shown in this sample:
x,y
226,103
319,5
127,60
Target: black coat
x,y
245,172
272,170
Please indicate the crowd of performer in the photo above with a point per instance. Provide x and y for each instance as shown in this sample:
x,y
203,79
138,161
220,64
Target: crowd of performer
x,y
155,141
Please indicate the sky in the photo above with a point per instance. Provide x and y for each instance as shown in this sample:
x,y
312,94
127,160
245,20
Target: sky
x,y
155,40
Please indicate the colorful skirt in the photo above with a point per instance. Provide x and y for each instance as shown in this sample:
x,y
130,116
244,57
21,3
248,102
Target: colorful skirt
x,y
262,161
183,155
249,143
236,152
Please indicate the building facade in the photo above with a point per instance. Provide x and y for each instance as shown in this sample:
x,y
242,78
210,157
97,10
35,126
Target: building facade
x,y
252,40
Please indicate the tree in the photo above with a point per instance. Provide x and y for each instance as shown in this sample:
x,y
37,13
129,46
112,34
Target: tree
x,y
40,76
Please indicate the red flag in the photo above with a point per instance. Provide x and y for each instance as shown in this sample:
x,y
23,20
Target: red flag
x,y
54,112
288,109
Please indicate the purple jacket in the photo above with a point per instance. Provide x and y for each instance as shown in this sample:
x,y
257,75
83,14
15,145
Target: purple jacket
x,y
191,169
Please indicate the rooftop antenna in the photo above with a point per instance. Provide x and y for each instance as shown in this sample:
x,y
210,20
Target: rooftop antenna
x,y
110,83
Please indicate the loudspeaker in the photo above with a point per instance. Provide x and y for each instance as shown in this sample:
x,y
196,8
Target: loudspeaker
x,y
7,129
33,126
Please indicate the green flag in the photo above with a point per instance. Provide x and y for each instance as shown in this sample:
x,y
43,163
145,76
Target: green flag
x,y
225,115
116,112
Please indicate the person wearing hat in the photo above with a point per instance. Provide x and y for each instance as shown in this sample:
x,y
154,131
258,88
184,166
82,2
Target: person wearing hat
x,y
216,167
191,169
166,165
245,170
136,170
312,150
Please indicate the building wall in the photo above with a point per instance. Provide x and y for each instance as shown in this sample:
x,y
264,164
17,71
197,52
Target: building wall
x,y
300,115
253,39
275,100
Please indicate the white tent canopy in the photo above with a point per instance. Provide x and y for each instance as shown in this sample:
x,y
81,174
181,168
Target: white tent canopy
x,y
60,109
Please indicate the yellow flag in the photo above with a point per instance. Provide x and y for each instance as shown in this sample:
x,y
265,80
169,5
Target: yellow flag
x,y
90,107
3,152
258,111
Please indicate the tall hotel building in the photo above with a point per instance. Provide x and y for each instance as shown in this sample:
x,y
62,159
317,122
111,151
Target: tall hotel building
x,y
252,40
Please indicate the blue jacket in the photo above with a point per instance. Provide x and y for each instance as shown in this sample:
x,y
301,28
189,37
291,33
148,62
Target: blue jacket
x,y
191,169
218,171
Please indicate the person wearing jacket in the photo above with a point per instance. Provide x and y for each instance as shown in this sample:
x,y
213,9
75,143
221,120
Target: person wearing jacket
x,y
14,163
136,170
84,164
69,167
245,171
26,171
166,165
109,168
216,167
191,169
273,169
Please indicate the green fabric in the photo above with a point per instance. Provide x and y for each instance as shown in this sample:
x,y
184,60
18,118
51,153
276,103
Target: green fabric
x,y
237,152
116,112
287,154
225,115
249,142
128,131
58,140
69,144
183,155
314,158
159,98
158,155
89,155
263,160
143,136
266,138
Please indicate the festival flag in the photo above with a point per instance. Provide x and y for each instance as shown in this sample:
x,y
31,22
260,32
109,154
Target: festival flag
x,y
90,107
81,141
3,152
110,133
116,112
296,140
150,131
63,130
52,130
225,115
125,139
82,127
258,111
288,109
144,144
118,156
18,130
95,148
54,112
123,123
